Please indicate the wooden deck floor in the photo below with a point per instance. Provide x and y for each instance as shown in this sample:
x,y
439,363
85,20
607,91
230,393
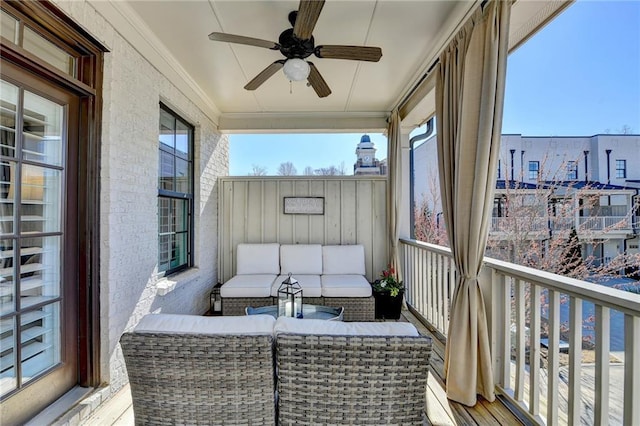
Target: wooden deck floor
x,y
440,411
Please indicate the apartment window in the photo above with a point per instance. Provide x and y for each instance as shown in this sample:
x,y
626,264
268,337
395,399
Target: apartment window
x,y
534,169
175,193
499,169
572,170
621,169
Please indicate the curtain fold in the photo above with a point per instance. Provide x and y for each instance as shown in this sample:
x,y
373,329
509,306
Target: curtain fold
x,y
469,103
394,197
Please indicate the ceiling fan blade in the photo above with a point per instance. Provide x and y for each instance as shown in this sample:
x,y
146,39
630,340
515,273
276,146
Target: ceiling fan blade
x,y
308,14
355,53
264,75
317,82
232,38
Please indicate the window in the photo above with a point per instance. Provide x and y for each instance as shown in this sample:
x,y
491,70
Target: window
x,y
534,169
621,169
572,170
175,193
499,168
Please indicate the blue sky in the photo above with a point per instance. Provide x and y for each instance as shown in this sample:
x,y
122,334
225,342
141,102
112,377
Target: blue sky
x,y
578,76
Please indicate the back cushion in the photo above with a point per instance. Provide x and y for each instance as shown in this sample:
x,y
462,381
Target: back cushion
x,y
343,260
258,259
301,259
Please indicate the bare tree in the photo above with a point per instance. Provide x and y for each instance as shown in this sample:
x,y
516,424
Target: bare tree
x,y
537,228
257,170
429,223
308,171
625,130
429,226
287,169
330,171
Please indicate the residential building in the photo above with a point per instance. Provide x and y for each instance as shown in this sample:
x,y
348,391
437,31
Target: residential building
x,y
595,172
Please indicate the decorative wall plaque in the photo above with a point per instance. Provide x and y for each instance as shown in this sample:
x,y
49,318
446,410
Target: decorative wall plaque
x,y
304,205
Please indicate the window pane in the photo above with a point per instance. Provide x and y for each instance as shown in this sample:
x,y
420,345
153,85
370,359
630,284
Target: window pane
x,y
40,207
183,180
179,253
173,224
9,27
40,340
7,283
49,52
43,123
8,102
8,380
167,171
167,129
39,270
181,215
7,196
183,132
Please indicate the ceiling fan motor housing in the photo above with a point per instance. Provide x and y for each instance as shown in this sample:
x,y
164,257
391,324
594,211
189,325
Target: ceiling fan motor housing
x,y
292,47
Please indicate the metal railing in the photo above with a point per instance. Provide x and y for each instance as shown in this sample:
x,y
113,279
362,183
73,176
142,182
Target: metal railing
x,y
552,336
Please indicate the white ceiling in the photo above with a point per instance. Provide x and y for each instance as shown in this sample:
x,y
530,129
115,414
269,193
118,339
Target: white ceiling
x,y
410,33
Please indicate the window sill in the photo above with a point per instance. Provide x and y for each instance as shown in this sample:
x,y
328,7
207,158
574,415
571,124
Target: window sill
x,y
168,284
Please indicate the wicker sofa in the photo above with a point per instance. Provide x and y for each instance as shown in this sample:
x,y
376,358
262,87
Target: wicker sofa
x,y
186,369
330,275
350,373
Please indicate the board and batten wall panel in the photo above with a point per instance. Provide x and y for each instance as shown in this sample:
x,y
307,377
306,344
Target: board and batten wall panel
x,y
252,211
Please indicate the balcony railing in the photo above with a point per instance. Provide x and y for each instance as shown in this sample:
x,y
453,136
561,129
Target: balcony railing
x,y
552,337
542,224
519,224
604,223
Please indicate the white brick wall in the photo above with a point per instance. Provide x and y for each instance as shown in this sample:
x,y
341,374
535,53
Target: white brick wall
x,y
129,287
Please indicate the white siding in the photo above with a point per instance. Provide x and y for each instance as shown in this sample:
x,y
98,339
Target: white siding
x,y
129,285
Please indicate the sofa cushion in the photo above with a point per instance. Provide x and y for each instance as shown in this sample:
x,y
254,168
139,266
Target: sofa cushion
x,y
194,324
310,285
258,259
345,286
301,259
347,259
288,325
258,285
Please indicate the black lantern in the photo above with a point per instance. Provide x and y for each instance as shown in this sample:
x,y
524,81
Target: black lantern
x,y
290,298
215,300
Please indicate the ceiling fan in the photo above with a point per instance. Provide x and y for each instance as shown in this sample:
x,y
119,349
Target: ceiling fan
x,y
297,44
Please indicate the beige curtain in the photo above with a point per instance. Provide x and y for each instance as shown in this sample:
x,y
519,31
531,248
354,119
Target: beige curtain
x,y
469,102
394,192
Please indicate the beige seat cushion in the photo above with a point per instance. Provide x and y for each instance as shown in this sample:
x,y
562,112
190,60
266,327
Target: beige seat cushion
x,y
345,286
195,324
310,285
256,285
287,325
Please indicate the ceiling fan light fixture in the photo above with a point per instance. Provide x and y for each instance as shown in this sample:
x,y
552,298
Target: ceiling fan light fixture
x,y
296,69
